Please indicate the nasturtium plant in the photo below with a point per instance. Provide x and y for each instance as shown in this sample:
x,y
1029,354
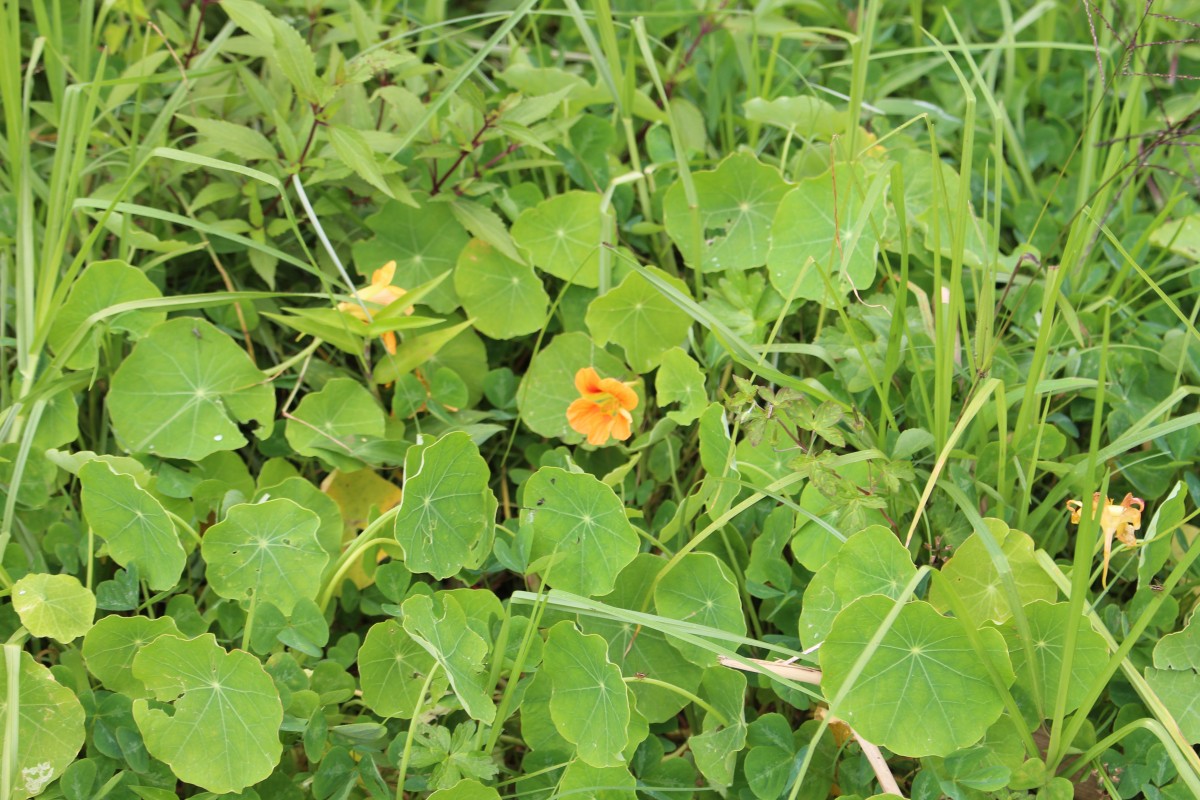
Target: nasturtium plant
x,y
393,668
47,719
439,625
184,390
680,382
101,286
222,734
504,297
562,237
589,702
110,646
339,424
640,319
56,606
548,388
700,588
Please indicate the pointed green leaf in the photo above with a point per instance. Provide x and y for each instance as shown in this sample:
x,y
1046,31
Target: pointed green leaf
x,y
701,590
580,525
392,669
424,242
55,606
182,391
447,508
50,723
353,151
562,236
924,690
103,284
133,523
337,424
223,734
444,633
111,644
267,550
738,201
589,704
505,297
643,321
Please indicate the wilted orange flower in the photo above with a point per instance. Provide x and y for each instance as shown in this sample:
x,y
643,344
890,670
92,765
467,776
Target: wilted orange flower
x,y
380,292
1120,521
603,410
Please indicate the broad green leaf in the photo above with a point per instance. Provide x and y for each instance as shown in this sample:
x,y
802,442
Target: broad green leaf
x,y
872,561
639,318
810,117
183,390
337,424
738,201
931,199
924,690
223,734
441,628
50,723
505,297
700,590
447,509
562,236
767,770
589,704
306,495
55,606
814,248
266,550
723,730
717,458
466,789
642,650
537,727
1175,677
133,523
353,151
814,544
548,387
581,779
392,669
580,526
977,580
680,380
111,644
103,284
1049,625
424,242
1156,546
1180,236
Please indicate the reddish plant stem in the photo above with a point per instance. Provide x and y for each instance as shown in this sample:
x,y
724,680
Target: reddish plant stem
x,y
195,48
476,140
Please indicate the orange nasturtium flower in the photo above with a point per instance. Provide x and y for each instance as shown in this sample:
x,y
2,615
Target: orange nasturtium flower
x,y
377,295
1120,521
603,410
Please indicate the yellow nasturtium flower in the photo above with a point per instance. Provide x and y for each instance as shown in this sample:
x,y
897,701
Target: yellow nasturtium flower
x,y
1120,521
378,295
603,408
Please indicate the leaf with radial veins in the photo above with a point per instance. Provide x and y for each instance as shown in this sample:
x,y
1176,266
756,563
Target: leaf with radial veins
x,y
737,203
50,723
506,298
580,526
392,668
924,690
447,508
440,626
548,387
223,732
337,424
133,523
700,590
183,391
267,550
55,606
110,646
642,320
101,285
589,702
562,236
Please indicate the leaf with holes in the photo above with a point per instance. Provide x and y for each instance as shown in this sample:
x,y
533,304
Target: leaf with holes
x,y
183,391
267,550
579,527
223,730
448,511
134,524
923,669
732,229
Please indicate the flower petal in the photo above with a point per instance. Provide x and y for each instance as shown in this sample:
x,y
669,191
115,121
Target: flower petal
x,y
587,382
621,392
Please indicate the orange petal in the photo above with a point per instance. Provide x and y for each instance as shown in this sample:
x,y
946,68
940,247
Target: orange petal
x,y
384,275
587,382
389,342
622,392
584,416
599,435
620,426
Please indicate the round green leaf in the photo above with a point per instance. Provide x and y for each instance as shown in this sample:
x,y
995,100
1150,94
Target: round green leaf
x,y
579,526
549,384
133,523
447,509
814,247
924,691
337,424
643,321
581,779
440,626
1048,626
466,355
182,391
424,242
223,734
737,204
589,702
50,723
700,590
305,495
977,580
55,606
269,550
562,236
505,298
101,285
680,380
392,669
466,789
111,644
